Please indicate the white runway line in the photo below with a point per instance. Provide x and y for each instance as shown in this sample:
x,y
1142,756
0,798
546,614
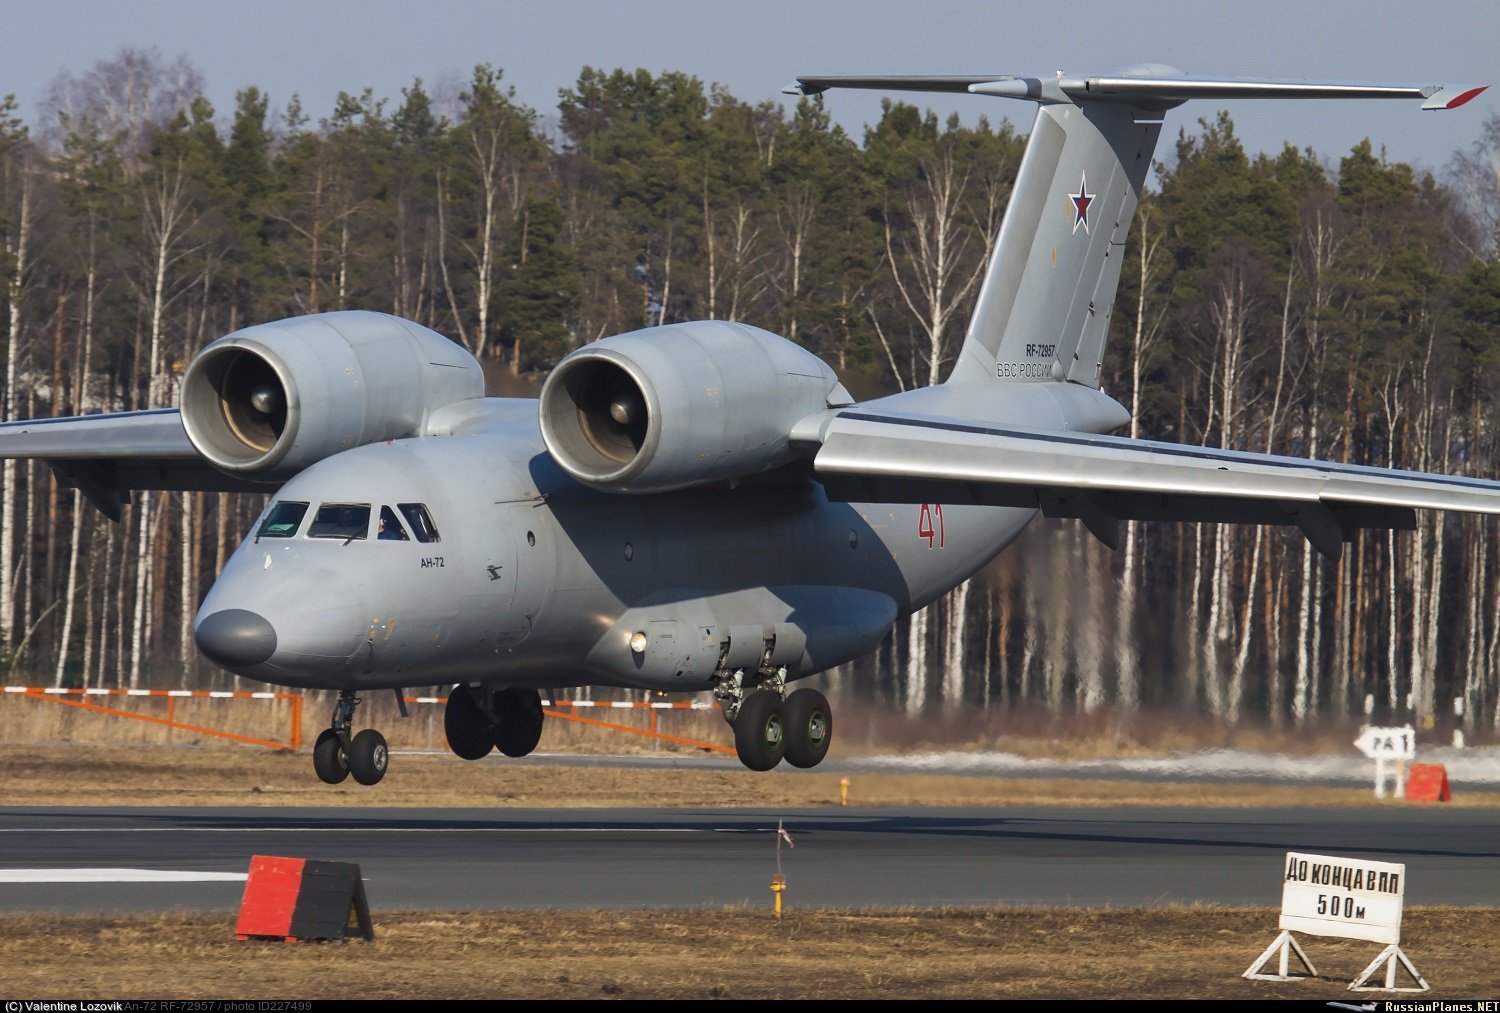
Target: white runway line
x,y
117,876
354,830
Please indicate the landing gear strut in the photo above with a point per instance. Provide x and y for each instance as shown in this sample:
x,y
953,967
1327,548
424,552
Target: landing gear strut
x,y
770,724
337,753
479,719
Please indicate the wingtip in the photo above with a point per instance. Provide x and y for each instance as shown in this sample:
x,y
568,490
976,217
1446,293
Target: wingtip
x,y
1452,98
1467,96
798,87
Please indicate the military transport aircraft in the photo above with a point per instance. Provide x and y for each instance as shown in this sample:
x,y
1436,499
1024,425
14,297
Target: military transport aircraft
x,y
699,506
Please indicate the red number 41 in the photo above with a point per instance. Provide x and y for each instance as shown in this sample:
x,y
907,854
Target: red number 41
x,y
925,528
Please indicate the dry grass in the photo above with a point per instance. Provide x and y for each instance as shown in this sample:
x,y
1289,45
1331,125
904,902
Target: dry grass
x,y
1181,952
146,775
862,729
53,754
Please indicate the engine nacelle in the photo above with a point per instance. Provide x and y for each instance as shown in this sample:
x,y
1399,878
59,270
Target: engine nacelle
x,y
679,405
269,400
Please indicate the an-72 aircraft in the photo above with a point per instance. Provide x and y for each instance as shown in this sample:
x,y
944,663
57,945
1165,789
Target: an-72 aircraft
x,y
699,506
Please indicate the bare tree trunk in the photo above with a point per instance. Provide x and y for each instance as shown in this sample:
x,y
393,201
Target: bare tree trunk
x,y
17,246
666,278
916,662
1087,622
1393,670
89,625
80,518
1142,341
941,282
800,207
188,606
709,241
142,582
955,658
221,533
1193,667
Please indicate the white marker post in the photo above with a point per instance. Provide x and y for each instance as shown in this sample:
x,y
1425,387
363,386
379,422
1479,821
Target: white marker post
x,y
1388,745
1346,898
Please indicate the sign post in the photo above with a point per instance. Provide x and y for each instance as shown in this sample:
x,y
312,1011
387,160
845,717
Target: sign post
x,y
1386,746
1346,898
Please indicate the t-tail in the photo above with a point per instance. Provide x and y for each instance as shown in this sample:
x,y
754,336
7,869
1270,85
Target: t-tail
x,y
1043,312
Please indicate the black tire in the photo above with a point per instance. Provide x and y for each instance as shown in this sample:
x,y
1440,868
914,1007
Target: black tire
x,y
809,728
520,726
470,732
760,731
328,758
368,757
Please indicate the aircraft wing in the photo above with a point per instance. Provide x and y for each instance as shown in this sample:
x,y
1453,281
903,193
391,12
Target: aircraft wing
x,y
106,456
867,456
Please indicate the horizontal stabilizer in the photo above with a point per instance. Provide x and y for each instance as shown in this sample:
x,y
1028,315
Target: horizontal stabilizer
x,y
1151,87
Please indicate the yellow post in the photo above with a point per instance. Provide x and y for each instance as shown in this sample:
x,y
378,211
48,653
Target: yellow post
x,y
843,791
778,887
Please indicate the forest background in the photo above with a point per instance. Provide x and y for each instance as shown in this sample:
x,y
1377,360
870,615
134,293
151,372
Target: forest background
x,y
1340,307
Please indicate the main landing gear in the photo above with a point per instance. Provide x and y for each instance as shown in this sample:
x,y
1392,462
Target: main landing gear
x,y
769,724
478,719
337,754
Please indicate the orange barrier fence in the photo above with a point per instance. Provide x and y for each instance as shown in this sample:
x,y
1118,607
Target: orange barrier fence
x,y
566,710
551,709
59,695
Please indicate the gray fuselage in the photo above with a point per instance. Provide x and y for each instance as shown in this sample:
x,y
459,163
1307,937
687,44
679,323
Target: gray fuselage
x,y
540,581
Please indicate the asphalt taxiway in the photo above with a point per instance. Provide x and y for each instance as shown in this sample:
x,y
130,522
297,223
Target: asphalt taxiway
x,y
107,859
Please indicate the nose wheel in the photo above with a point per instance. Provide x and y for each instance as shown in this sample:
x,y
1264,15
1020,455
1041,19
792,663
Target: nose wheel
x,y
337,753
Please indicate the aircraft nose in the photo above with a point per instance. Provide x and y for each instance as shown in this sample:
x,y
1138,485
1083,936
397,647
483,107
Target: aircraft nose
x,y
236,638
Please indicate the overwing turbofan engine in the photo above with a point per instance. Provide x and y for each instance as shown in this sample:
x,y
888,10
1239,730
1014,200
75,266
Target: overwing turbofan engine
x,y
269,400
668,407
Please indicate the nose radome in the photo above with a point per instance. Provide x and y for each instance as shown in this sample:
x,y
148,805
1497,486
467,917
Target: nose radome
x,y
236,638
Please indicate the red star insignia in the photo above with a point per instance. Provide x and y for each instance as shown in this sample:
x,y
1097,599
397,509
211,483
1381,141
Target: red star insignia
x,y
1081,201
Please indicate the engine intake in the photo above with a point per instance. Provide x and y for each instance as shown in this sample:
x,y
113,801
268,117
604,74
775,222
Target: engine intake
x,y
668,407
269,400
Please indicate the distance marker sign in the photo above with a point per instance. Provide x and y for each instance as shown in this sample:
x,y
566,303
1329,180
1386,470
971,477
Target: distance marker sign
x,y
1343,897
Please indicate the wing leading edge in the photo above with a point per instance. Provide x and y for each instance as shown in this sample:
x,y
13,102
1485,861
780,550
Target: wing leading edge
x,y
107,456
875,457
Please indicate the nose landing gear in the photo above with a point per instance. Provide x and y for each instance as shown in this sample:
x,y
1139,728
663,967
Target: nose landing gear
x,y
337,753
769,724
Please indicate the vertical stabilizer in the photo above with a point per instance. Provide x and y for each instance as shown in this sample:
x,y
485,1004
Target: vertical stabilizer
x,y
1043,312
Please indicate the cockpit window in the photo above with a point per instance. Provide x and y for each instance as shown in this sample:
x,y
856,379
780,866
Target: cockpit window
x,y
283,520
340,520
390,528
421,522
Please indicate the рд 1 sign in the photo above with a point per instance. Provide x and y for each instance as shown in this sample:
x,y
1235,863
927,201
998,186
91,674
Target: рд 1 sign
x,y
1386,746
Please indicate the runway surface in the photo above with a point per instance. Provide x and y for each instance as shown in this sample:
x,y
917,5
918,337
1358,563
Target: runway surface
x,y
474,858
